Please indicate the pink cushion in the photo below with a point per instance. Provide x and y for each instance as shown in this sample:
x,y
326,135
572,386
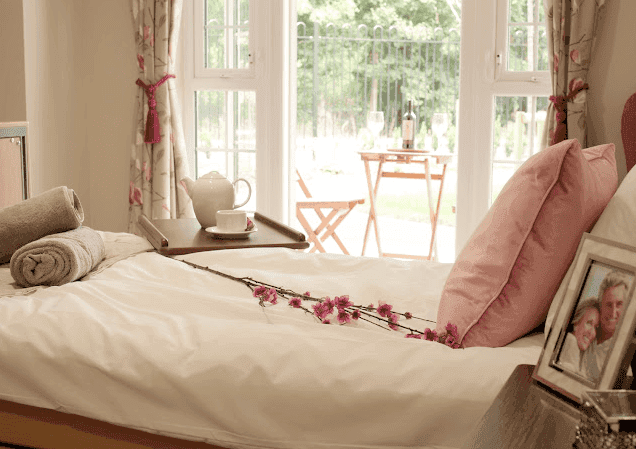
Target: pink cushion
x,y
503,281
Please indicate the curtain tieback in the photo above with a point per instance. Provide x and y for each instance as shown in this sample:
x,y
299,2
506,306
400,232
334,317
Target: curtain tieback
x,y
560,104
153,131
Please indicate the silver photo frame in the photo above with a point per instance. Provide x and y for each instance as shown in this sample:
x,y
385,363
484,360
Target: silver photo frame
x,y
591,339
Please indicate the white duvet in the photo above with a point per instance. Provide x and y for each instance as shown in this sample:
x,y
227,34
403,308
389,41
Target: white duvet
x,y
154,344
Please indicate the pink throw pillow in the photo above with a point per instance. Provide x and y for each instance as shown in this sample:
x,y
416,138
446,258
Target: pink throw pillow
x,y
505,278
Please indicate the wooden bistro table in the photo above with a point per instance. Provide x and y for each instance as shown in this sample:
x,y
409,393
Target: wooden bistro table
x,y
404,157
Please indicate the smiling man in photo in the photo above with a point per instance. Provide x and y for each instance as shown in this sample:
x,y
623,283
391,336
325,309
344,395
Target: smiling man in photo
x,y
613,298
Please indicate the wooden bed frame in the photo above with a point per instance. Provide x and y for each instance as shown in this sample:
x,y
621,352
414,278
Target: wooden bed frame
x,y
41,428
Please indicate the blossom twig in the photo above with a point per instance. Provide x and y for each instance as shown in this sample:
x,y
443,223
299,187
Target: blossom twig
x,y
344,309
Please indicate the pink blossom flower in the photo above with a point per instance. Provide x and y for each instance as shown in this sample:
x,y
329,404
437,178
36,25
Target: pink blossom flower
x,y
272,296
344,317
355,314
342,302
556,62
575,56
393,318
146,32
575,83
384,309
430,335
408,315
140,60
450,341
260,290
414,336
452,329
295,303
371,307
325,321
307,294
329,305
320,310
148,173
152,40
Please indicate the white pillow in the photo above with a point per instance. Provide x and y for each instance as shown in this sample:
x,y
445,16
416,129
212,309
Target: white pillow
x,y
615,223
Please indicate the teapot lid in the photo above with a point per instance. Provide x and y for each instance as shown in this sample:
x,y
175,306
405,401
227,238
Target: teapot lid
x,y
212,174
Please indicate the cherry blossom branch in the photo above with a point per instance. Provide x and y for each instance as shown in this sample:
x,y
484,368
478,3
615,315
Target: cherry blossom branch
x,y
346,310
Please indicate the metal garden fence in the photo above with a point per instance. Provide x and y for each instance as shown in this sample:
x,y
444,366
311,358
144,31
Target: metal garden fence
x,y
345,72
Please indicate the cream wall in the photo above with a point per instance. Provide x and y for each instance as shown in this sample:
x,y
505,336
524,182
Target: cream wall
x,y
12,91
612,76
80,74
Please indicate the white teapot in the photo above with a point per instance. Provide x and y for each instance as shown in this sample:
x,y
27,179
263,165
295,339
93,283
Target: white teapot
x,y
210,193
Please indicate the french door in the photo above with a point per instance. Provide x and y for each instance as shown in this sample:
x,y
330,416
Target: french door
x,y
504,89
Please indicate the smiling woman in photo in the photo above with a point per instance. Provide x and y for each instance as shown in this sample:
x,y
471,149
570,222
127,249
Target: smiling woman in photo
x,y
582,332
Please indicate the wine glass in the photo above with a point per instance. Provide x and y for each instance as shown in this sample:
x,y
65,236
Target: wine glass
x,y
375,123
439,124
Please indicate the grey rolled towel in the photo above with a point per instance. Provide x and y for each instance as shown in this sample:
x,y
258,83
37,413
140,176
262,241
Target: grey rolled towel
x,y
57,258
56,210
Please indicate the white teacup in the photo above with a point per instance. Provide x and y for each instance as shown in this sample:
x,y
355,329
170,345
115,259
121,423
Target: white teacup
x,y
231,220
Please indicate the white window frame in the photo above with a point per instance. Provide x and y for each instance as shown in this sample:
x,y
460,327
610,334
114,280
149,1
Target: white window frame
x,y
480,82
501,51
268,76
200,71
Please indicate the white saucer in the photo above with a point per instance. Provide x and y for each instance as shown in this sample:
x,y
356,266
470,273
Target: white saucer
x,y
230,235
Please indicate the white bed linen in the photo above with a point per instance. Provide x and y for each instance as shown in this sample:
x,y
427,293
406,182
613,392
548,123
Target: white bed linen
x,y
154,344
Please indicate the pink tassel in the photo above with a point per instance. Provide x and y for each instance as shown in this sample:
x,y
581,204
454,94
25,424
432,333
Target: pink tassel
x,y
560,105
153,130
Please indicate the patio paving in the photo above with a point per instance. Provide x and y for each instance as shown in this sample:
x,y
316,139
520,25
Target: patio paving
x,y
397,237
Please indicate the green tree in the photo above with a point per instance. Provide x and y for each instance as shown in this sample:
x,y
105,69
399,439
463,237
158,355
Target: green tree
x,y
347,73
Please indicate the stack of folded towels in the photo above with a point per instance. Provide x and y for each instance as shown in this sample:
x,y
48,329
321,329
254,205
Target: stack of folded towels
x,y
45,242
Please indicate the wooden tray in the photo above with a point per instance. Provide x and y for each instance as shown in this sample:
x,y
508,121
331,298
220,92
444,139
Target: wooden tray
x,y
185,235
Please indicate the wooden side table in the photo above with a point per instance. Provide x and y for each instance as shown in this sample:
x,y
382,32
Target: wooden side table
x,y
526,415
404,157
172,237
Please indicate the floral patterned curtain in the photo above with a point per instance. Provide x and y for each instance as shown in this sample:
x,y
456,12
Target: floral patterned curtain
x,y
158,158
571,27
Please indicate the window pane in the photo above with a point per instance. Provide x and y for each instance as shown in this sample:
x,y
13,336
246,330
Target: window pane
x,y
518,126
527,40
226,119
226,34
528,48
226,137
523,11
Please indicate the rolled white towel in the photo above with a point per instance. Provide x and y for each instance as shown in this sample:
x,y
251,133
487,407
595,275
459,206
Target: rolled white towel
x,y
56,210
57,258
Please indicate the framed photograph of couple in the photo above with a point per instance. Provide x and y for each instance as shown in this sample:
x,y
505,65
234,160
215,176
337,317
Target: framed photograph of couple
x,y
591,344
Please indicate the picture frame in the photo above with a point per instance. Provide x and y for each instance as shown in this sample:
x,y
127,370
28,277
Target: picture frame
x,y
15,179
591,343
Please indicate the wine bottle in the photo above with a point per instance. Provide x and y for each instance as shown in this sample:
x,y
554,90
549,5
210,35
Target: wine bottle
x,y
408,128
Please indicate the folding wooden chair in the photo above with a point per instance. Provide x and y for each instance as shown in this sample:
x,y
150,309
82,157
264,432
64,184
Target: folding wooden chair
x,y
339,209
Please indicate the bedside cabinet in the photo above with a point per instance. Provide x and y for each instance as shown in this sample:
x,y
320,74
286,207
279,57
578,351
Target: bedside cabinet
x,y
526,415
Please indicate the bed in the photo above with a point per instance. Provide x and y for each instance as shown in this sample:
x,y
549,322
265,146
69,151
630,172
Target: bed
x,y
150,351
147,342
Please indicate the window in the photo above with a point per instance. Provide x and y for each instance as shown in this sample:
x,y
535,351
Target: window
x,y
521,44
504,89
235,94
